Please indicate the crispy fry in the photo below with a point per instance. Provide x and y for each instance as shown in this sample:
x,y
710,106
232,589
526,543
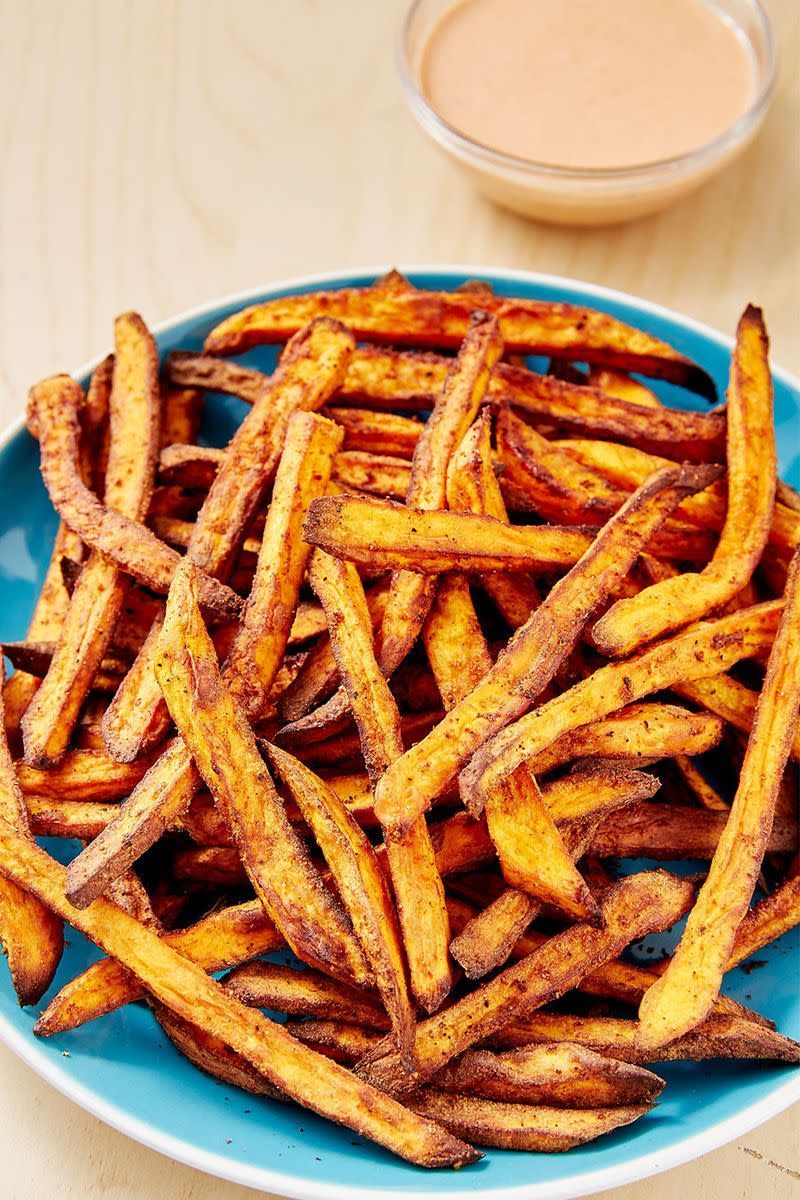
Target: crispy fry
x,y
361,884
402,314
303,993
719,1036
337,1039
382,534
211,1054
730,700
68,818
54,406
184,987
377,432
682,998
417,885
181,415
312,367
96,603
215,730
521,1126
560,1075
534,654
644,903
260,642
32,937
673,831
706,796
531,852
701,651
82,775
623,386
751,460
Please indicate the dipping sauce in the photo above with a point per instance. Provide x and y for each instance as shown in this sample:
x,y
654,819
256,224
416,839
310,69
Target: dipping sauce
x,y
588,83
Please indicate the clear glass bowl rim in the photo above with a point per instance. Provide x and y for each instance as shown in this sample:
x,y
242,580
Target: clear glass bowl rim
x,y
693,159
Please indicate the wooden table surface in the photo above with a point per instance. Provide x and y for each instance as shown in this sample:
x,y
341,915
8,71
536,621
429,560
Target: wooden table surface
x,y
158,153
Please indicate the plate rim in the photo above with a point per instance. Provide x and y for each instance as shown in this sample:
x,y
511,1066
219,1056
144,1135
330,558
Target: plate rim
x,y
644,1166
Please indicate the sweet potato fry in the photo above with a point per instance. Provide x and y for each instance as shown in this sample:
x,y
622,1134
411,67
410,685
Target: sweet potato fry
x,y
674,831
382,534
399,313
32,937
701,651
377,432
560,1075
337,1039
531,852
182,414
260,642
472,486
83,775
751,463
623,386
210,1054
417,885
311,368
640,904
215,730
361,884
308,1078
96,603
682,998
719,1036
68,818
303,993
54,405
521,1126
534,654
729,699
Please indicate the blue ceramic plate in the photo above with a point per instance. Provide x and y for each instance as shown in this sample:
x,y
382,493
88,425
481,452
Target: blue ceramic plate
x,y
123,1070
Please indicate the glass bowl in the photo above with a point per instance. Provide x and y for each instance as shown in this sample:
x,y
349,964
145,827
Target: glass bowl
x,y
588,196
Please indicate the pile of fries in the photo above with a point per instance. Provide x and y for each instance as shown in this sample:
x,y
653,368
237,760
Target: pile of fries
x,y
398,680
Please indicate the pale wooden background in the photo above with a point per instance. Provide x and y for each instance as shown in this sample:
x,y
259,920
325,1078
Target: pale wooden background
x,y
157,153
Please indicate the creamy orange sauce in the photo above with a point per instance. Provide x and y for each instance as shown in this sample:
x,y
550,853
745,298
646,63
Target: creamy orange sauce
x,y
587,83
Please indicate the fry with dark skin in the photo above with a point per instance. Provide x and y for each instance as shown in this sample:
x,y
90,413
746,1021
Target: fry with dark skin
x,y
643,903
751,475
32,937
534,654
703,650
682,998
312,366
729,699
362,886
96,603
215,731
186,990
418,888
53,408
302,993
393,311
672,831
163,795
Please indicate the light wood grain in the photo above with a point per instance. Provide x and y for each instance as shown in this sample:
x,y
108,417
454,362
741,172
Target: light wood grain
x,y
157,153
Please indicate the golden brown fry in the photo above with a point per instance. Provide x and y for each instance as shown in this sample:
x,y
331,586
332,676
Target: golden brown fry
x,y
216,942
337,1039
399,313
83,775
623,386
361,884
68,818
701,651
719,1036
96,604
472,486
706,796
311,368
682,998
751,466
377,432
181,416
214,729
730,700
32,937
417,885
303,993
560,1075
260,642
212,1055
385,535
531,852
521,1126
673,831
769,919
54,405
308,1078
534,654
643,903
